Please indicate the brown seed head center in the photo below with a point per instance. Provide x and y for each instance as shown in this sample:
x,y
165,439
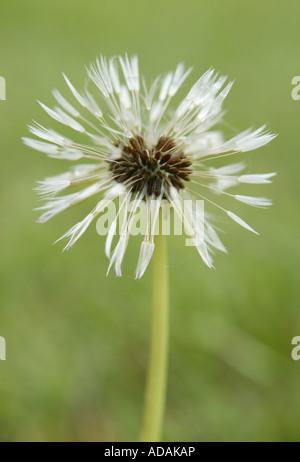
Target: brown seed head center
x,y
153,170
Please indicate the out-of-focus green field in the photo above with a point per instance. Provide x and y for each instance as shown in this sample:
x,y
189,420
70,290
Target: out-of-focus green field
x,y
77,342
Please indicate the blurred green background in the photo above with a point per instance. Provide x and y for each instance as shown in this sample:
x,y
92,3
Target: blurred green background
x,y
77,342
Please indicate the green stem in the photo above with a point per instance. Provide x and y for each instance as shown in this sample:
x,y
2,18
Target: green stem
x,y
157,373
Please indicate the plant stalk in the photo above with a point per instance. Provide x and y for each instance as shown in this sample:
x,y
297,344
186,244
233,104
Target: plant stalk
x,y
157,373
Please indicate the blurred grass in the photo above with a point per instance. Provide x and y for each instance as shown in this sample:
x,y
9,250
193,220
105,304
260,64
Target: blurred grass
x,y
77,342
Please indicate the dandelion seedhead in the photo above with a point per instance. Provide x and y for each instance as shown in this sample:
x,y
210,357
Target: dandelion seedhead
x,y
135,147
